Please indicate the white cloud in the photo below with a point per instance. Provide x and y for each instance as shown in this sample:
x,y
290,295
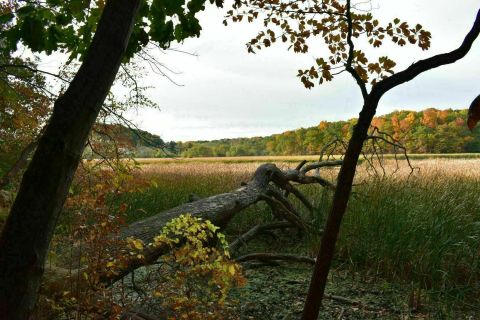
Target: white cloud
x,y
229,93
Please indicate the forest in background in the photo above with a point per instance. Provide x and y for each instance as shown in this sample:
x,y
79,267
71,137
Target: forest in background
x,y
427,131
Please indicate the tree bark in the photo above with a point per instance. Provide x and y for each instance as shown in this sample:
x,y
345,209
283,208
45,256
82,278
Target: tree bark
x,y
347,172
337,210
28,230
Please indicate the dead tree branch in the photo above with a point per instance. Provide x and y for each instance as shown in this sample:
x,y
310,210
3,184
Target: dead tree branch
x,y
268,257
253,232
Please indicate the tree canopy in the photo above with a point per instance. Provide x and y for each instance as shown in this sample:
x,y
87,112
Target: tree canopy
x,y
298,23
69,26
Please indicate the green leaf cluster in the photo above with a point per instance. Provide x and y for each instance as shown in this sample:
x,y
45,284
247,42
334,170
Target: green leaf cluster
x,y
69,26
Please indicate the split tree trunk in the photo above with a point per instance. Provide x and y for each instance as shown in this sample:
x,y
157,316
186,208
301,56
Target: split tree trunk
x,y
28,230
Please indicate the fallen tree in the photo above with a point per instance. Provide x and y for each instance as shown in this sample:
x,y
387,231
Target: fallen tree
x,y
269,184
265,185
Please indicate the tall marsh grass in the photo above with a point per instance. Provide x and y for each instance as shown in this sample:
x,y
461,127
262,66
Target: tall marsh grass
x,y
425,230
422,229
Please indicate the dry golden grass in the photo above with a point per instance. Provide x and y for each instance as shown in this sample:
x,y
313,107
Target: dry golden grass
x,y
468,168
425,168
229,159
199,168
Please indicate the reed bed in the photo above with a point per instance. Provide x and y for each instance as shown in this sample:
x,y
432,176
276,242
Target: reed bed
x,y
420,228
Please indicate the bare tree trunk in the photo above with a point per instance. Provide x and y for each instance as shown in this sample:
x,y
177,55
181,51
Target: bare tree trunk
x,y
347,172
28,230
337,211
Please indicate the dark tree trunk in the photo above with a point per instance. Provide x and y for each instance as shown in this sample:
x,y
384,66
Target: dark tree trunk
x,y
28,230
337,211
347,172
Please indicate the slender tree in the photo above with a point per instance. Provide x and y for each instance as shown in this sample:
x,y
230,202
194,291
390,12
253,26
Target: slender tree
x,y
340,24
347,172
121,28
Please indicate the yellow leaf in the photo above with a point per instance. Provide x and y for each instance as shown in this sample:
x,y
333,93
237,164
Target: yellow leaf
x,y
231,269
138,244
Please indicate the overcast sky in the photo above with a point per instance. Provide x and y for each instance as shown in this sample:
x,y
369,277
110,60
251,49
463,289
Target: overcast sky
x,y
229,93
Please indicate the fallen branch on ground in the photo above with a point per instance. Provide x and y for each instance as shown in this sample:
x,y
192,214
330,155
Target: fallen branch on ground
x,y
250,234
275,257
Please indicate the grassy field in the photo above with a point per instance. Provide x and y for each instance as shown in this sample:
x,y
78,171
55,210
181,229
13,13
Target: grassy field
x,y
289,159
417,233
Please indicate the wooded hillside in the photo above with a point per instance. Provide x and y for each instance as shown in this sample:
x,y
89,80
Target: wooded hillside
x,y
427,131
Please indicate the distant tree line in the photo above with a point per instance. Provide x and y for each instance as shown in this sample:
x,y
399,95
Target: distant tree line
x,y
129,142
427,131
